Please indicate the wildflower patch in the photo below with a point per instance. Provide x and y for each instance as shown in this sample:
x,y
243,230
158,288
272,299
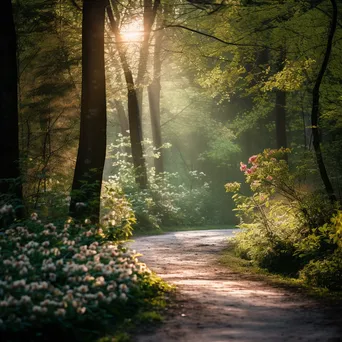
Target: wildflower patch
x,y
61,274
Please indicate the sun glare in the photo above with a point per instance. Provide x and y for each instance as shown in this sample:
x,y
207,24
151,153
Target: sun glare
x,y
132,31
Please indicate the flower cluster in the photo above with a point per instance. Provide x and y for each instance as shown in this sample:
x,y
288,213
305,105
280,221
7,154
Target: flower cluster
x,y
6,209
264,168
167,201
49,271
232,187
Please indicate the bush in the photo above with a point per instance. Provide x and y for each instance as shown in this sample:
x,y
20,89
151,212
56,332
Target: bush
x,y
167,201
286,229
69,278
324,273
272,219
279,218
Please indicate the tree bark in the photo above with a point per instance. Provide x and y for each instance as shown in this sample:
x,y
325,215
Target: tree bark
x,y
154,90
134,118
124,127
280,108
281,119
315,112
150,12
86,187
10,182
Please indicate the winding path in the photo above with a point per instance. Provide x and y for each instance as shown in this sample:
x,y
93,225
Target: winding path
x,y
214,304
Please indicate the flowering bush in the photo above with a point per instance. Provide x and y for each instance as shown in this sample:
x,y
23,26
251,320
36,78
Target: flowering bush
x,y
285,228
66,275
271,217
166,201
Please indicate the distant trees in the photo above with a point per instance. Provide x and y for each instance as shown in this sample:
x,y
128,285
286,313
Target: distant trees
x,y
154,92
300,54
134,87
10,177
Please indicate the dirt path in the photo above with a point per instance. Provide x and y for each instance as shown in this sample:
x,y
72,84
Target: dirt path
x,y
214,304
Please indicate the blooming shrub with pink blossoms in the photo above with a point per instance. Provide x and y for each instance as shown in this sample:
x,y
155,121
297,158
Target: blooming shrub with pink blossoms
x,y
272,216
285,228
67,276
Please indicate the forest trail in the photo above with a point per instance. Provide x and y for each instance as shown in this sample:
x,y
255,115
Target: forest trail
x,y
214,304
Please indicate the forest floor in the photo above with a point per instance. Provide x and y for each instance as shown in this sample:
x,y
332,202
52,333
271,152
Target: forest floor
x,y
213,303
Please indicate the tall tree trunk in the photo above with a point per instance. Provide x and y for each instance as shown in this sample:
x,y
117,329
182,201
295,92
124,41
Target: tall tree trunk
x,y
280,108
150,12
124,126
10,183
281,119
154,101
86,187
315,112
134,118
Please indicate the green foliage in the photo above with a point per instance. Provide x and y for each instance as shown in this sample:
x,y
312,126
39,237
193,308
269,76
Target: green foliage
x,y
326,272
167,201
286,228
274,217
69,278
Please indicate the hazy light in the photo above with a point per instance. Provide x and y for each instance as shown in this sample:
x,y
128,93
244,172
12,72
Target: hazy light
x,y
132,31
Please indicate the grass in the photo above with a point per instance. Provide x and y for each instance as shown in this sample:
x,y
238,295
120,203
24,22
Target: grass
x,y
250,270
170,229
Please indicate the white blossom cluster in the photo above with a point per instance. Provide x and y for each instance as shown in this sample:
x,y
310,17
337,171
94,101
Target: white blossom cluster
x,y
48,271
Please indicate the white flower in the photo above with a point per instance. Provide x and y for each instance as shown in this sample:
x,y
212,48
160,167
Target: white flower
x,y
123,288
123,296
23,271
6,209
83,288
81,310
60,312
100,295
100,281
25,299
59,262
34,216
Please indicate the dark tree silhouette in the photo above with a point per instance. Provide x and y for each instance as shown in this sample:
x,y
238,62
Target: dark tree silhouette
x,y
315,112
10,184
86,187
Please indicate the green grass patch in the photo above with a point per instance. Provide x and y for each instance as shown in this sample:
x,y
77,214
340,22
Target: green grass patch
x,y
169,229
248,269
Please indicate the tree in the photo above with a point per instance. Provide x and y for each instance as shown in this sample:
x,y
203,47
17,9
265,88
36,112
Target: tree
x,y
10,182
86,186
154,98
315,113
134,95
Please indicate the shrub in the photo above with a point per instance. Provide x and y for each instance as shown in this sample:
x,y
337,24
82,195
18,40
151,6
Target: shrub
x,y
167,201
326,272
285,228
67,277
271,217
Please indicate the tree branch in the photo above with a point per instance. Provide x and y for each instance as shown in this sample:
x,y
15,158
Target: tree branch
x,y
76,5
215,38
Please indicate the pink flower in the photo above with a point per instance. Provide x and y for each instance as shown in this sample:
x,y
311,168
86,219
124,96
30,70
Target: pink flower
x,y
251,170
243,167
269,178
252,159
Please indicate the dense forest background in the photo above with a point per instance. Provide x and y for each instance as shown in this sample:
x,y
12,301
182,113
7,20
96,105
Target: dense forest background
x,y
219,81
